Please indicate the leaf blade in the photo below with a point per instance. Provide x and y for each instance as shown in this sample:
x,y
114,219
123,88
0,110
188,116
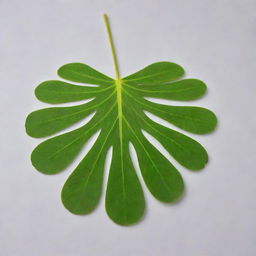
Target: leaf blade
x,y
121,100
55,91
55,154
48,121
161,177
82,73
192,119
182,90
125,201
81,192
158,72
185,150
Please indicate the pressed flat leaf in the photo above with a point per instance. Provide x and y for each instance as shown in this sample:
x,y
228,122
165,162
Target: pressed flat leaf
x,y
185,150
159,72
120,117
82,73
55,91
183,90
82,190
53,155
193,119
45,122
124,197
161,177
119,113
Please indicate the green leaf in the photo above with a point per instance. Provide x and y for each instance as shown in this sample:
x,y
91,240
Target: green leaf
x,y
82,190
183,90
120,118
48,121
55,91
124,197
155,73
53,155
161,177
192,119
82,73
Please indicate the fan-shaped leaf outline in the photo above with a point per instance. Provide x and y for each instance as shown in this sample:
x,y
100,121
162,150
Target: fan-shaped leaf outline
x,y
120,119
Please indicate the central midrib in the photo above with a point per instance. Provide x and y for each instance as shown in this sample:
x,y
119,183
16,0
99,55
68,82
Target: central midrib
x,y
119,107
118,84
120,123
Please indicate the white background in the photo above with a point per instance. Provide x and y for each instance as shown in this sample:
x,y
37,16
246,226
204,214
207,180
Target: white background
x,y
214,40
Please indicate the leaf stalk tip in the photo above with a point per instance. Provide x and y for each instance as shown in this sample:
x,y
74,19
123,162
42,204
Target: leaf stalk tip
x,y
112,46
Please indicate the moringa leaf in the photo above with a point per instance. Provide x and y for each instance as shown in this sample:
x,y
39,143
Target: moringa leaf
x,y
120,118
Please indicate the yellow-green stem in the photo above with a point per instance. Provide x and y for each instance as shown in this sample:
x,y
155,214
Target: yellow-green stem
x,y
118,83
113,50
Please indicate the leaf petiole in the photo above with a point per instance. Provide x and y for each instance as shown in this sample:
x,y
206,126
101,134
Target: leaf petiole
x,y
113,50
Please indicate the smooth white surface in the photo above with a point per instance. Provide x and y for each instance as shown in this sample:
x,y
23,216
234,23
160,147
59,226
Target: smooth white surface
x,y
214,40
